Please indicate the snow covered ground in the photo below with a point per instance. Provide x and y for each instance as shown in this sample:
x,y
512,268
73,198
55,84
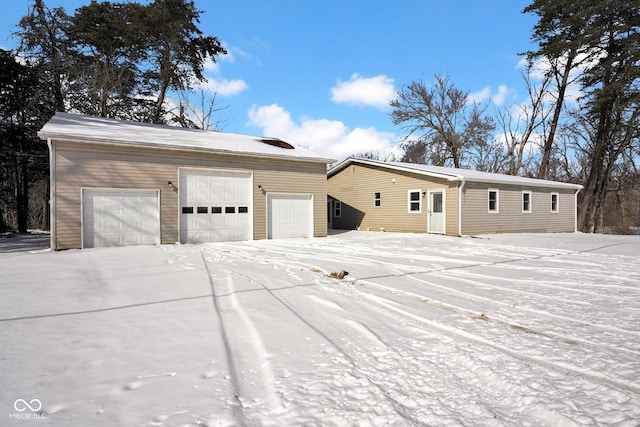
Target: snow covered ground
x,y
502,330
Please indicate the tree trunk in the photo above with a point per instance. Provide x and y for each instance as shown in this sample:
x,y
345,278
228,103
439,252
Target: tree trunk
x,y
598,226
22,194
3,226
47,206
597,157
543,171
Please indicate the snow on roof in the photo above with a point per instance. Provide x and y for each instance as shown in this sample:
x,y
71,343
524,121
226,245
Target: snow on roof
x,y
456,174
109,131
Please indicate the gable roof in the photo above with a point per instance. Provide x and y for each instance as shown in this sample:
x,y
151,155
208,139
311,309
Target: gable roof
x,y
97,130
455,174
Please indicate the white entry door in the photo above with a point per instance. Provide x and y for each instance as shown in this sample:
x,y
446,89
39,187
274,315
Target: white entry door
x,y
215,206
436,212
289,215
120,217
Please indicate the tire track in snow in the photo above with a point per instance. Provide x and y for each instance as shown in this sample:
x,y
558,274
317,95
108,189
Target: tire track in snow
x,y
498,319
610,328
478,315
575,321
395,269
559,366
355,371
244,349
467,336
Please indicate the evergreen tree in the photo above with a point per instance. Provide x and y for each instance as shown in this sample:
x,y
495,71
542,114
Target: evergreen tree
x,y
604,35
25,105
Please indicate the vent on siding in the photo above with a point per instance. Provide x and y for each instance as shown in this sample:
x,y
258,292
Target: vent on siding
x,y
276,143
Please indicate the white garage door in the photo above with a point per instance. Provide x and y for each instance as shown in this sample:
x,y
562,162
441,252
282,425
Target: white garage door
x,y
215,206
290,215
120,217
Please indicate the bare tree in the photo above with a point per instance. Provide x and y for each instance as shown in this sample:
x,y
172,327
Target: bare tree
x,y
560,70
442,119
203,115
384,156
519,123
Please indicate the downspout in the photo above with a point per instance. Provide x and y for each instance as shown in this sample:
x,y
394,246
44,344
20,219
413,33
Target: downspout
x,y
52,195
460,190
575,211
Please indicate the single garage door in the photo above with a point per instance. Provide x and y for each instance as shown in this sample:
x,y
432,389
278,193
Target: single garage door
x,y
290,215
215,206
120,217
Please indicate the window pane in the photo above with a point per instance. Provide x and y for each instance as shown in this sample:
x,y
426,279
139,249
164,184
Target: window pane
x,y
243,209
216,209
493,201
415,195
526,202
187,210
202,209
437,202
230,209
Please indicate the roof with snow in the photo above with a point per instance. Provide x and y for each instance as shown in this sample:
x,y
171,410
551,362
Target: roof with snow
x,y
456,174
99,130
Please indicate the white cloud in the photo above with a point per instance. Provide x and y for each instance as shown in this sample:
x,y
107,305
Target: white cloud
x,y
330,138
223,87
486,94
479,96
215,83
373,91
210,66
500,97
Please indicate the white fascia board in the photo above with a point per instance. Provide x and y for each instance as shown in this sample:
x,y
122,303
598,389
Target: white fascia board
x,y
141,144
350,160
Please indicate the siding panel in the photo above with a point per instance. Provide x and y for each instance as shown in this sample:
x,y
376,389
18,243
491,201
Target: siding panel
x,y
355,186
510,218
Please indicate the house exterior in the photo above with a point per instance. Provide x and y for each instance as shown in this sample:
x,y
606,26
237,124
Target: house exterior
x,y
124,183
405,197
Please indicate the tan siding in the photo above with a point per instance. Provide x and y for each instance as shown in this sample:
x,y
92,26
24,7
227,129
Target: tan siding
x,y
355,185
477,220
452,210
104,166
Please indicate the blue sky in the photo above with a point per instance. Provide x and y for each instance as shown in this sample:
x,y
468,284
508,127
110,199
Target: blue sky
x,y
320,73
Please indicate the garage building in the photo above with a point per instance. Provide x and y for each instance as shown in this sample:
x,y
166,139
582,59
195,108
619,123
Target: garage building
x,y
124,183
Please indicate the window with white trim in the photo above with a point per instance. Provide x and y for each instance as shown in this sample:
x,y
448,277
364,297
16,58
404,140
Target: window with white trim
x,y
554,203
337,209
414,201
377,199
526,202
493,199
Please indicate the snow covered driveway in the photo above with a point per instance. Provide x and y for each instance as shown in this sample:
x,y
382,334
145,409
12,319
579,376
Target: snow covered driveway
x,y
511,330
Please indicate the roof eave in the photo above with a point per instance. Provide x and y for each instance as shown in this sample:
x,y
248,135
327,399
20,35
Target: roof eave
x,y
539,183
451,177
346,163
136,144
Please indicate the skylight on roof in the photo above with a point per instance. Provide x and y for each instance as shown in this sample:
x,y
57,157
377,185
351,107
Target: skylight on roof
x,y
276,143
